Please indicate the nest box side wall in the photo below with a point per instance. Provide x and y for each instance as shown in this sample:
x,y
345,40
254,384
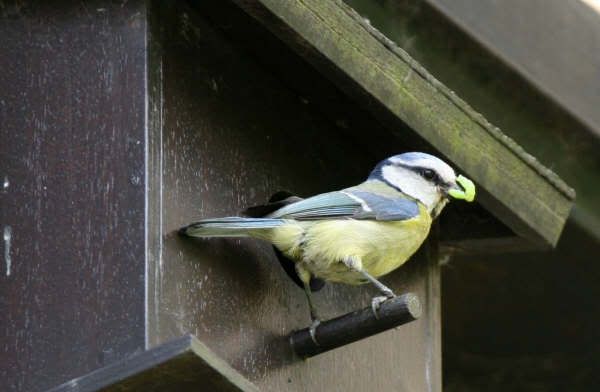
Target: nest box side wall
x,y
231,134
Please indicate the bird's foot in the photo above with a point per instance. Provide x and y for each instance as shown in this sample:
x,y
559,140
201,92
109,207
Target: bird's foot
x,y
313,330
377,301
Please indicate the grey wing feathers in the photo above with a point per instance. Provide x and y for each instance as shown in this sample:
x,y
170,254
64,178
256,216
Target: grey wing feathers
x,y
326,205
349,204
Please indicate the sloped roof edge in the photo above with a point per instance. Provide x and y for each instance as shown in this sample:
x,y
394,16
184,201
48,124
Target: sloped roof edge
x,y
496,132
526,196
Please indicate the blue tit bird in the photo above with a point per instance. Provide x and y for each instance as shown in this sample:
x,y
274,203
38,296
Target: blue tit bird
x,y
357,234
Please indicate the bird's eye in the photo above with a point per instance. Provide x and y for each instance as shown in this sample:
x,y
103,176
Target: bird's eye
x,y
428,174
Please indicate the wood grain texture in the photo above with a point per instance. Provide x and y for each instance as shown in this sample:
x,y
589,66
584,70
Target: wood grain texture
x,y
558,46
233,135
183,364
520,192
72,160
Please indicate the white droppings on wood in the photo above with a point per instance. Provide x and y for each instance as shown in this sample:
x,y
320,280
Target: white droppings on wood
x,y
7,239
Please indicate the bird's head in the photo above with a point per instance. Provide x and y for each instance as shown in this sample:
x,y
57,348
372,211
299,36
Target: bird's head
x,y
425,178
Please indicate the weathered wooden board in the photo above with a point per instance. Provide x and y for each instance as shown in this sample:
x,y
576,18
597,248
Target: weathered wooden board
x,y
232,135
497,91
72,131
529,198
183,364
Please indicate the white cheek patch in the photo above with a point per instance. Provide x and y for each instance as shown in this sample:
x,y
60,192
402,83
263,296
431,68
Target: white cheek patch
x,y
412,184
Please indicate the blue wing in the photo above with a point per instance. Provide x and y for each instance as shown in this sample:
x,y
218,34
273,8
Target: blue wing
x,y
385,208
326,205
349,204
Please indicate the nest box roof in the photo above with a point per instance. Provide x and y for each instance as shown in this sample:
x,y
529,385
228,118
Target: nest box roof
x,y
526,196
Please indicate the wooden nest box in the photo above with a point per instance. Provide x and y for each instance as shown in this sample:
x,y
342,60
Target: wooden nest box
x,y
139,118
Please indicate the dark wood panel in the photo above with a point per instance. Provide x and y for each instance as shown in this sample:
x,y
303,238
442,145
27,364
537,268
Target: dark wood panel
x,y
183,364
72,131
555,44
233,135
525,321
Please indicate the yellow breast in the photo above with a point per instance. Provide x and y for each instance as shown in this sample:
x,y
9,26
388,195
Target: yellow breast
x,y
381,246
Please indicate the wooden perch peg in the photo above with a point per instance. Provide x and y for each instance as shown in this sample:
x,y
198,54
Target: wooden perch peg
x,y
355,326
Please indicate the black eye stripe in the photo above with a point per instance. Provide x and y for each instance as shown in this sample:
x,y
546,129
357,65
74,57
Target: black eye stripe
x,y
426,173
429,175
